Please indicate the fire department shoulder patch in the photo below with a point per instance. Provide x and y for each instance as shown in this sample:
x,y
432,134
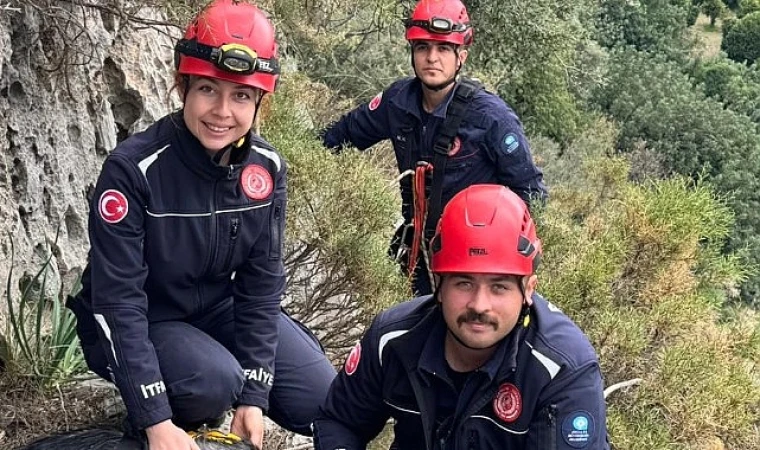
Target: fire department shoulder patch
x,y
256,182
113,206
508,403
352,362
375,102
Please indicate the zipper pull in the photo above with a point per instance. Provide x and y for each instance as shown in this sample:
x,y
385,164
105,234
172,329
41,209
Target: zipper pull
x,y
231,173
551,415
472,440
278,212
234,229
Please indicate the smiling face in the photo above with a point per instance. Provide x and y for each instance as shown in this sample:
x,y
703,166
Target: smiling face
x,y
219,112
481,309
435,63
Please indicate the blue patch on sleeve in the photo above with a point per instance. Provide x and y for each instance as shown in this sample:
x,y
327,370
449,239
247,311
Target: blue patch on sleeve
x,y
578,429
510,142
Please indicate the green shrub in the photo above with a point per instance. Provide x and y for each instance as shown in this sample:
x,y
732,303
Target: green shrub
x,y
637,266
742,43
341,215
652,25
748,7
733,84
692,16
656,105
732,4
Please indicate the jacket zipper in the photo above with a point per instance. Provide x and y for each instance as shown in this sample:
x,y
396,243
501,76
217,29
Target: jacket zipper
x,y
235,225
551,416
472,440
275,237
212,244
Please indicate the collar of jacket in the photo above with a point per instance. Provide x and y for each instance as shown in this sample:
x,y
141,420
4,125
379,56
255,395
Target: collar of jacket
x,y
195,155
409,99
422,348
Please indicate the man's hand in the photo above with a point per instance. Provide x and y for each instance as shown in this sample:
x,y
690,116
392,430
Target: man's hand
x,y
167,436
248,422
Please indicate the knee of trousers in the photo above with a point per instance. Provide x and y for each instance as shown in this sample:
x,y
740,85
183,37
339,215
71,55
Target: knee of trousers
x,y
207,393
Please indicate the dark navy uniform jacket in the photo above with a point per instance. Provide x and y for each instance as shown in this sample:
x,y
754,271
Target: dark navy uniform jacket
x,y
189,234
541,390
490,146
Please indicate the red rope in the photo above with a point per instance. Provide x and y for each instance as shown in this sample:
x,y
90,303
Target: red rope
x,y
420,212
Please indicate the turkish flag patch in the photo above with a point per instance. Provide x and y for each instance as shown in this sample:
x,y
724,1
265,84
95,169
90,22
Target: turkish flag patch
x,y
375,102
508,403
352,362
113,206
456,145
256,182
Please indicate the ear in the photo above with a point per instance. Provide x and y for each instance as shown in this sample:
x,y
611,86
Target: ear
x,y
529,284
437,280
463,53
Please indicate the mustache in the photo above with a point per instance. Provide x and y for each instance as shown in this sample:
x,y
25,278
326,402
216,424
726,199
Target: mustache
x,y
476,317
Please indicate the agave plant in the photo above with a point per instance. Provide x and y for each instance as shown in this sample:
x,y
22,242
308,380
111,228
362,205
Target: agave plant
x,y
41,337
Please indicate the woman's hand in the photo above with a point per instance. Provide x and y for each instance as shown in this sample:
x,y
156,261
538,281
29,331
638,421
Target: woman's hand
x,y
167,436
248,423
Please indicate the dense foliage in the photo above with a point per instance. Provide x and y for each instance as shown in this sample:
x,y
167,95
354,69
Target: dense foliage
x,y
743,41
652,153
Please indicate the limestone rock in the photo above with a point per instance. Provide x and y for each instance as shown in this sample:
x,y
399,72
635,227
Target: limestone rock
x,y
66,101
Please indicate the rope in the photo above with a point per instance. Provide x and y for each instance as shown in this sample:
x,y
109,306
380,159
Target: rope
x,y
420,213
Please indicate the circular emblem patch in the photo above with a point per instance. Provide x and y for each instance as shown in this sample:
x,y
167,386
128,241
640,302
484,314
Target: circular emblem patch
x,y
352,362
508,403
578,429
511,142
456,145
375,102
256,182
113,206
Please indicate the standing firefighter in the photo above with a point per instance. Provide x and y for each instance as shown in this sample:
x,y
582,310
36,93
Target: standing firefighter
x,y
447,132
180,305
485,363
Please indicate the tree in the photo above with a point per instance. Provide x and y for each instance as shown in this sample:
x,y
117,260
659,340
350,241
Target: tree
x,y
653,25
748,7
742,43
732,4
655,103
527,52
733,84
714,9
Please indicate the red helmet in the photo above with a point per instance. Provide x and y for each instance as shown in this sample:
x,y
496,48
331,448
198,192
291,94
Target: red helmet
x,y
233,41
440,20
486,228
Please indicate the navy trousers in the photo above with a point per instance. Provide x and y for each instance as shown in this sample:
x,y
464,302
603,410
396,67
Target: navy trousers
x,y
203,379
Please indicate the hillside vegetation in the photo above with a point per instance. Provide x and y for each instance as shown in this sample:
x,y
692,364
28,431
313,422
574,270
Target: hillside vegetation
x,y
651,149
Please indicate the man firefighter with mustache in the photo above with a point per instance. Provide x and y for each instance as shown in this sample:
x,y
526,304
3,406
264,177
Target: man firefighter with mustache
x,y
483,363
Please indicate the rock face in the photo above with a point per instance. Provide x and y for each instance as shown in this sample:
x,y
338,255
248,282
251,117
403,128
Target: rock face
x,y
73,83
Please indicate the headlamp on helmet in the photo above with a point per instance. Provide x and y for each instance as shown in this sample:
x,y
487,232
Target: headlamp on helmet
x,y
234,58
439,25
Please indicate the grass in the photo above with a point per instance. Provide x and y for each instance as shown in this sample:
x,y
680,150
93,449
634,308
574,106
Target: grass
x,y
28,412
708,37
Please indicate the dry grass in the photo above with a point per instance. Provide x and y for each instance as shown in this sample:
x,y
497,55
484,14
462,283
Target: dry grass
x,y
708,37
27,412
